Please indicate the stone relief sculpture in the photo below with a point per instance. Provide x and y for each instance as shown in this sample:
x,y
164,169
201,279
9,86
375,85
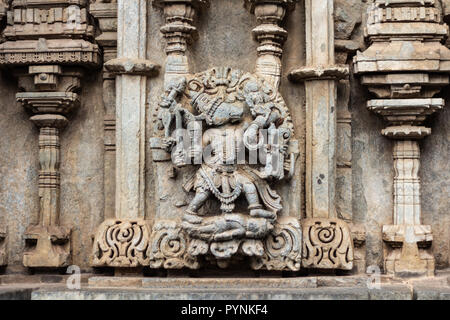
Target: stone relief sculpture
x,y
219,99
200,167
121,243
327,243
169,248
212,122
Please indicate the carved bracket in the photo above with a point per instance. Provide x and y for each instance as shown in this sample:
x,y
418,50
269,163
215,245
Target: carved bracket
x,y
282,248
327,244
121,243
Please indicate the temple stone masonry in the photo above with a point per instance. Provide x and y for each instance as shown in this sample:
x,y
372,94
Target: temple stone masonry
x,y
212,149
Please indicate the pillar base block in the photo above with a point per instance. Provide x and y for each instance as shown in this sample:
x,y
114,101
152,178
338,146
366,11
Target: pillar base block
x,y
407,250
49,247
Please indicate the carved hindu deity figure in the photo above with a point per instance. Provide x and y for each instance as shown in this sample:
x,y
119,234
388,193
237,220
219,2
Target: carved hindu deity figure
x,y
238,129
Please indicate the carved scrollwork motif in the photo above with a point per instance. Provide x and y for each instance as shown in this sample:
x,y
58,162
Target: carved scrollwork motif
x,y
327,244
282,248
121,243
169,247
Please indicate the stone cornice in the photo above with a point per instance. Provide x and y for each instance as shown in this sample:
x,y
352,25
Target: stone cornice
x,y
132,67
335,72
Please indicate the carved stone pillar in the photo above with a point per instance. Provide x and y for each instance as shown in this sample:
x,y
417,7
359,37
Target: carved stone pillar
x,y
327,239
46,44
404,67
52,240
123,240
179,31
48,243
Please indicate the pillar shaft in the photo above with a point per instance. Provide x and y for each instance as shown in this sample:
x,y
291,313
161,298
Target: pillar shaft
x,y
320,112
49,181
320,148
319,32
130,112
406,182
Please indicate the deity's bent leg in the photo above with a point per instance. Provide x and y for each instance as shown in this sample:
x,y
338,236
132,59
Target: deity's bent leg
x,y
251,194
200,197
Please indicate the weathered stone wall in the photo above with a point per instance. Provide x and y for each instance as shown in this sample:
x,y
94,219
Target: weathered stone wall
x,y
225,39
19,154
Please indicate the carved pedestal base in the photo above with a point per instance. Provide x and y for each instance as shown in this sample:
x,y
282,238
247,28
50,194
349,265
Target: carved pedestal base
x,y
327,244
172,248
225,235
407,250
3,250
50,247
121,243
